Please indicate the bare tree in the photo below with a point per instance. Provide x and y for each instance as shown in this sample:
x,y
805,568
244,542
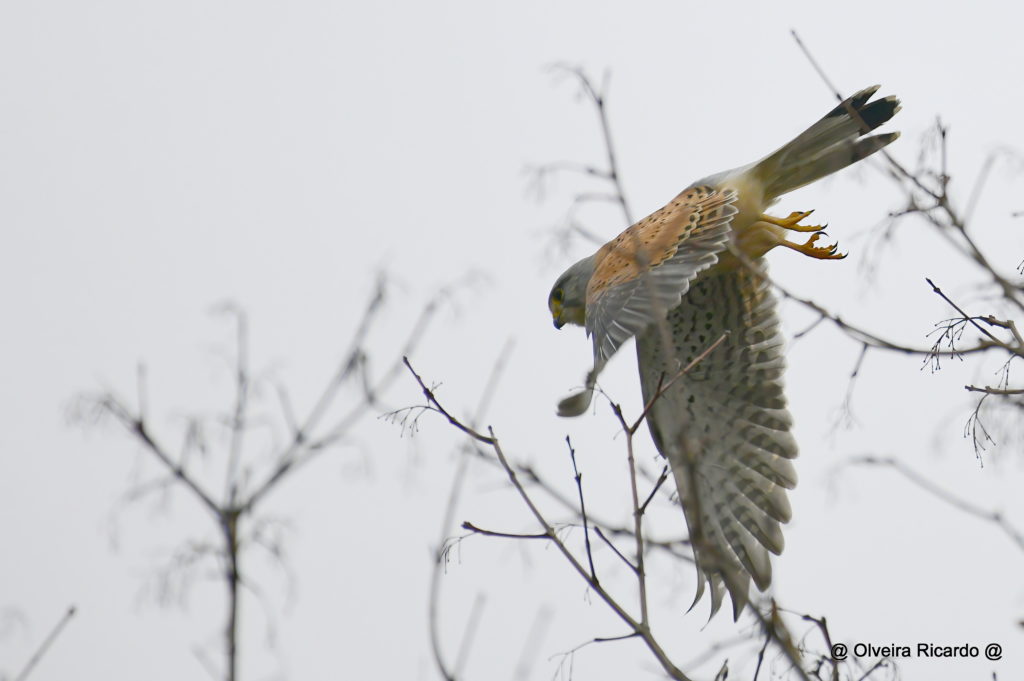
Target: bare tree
x,y
236,504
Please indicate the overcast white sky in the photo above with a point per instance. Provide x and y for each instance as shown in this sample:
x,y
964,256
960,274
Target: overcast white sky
x,y
159,158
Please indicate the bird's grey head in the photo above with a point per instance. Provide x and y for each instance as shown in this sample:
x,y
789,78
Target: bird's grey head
x,y
568,298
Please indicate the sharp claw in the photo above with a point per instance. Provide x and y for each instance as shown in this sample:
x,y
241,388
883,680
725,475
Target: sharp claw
x,y
830,252
792,222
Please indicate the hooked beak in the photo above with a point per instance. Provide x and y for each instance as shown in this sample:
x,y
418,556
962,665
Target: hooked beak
x,y
558,323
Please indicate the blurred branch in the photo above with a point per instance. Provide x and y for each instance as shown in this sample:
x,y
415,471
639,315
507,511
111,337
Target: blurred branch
x,y
441,551
609,174
774,629
238,423
995,517
596,94
237,513
45,645
927,196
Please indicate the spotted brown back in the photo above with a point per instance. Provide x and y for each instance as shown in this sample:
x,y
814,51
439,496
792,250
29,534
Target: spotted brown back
x,y
657,238
645,271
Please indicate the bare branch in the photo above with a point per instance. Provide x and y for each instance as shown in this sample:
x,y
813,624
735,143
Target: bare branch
x,y
466,525
994,517
953,225
234,514
597,96
45,645
238,417
654,490
641,627
137,427
578,477
491,387
615,550
974,321
994,391
434,405
472,626
663,388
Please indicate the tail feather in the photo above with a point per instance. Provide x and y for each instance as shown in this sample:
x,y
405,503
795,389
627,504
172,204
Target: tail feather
x,y
831,144
833,159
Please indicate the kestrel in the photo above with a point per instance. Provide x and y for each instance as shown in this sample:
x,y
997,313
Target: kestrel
x,y
680,279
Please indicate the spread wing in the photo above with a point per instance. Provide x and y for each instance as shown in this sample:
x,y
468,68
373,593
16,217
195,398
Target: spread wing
x,y
645,271
724,428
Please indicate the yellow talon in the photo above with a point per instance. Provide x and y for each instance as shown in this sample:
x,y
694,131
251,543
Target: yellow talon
x,y
793,222
818,252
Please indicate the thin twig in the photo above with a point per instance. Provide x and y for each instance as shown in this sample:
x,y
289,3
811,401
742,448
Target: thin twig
x,y
45,645
578,477
973,321
238,417
638,516
857,333
994,391
451,507
994,517
468,633
640,628
233,514
654,490
466,525
597,96
663,388
963,242
775,629
760,654
615,549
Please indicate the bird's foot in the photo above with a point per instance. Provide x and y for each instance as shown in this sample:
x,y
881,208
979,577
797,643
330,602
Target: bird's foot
x,y
818,252
793,222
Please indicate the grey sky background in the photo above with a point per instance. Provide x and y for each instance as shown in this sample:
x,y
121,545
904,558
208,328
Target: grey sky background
x,y
157,159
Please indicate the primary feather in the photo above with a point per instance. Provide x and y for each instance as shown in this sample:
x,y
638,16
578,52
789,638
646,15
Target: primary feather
x,y
724,427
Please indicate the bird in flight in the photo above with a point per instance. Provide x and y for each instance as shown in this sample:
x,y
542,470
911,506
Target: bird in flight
x,y
679,280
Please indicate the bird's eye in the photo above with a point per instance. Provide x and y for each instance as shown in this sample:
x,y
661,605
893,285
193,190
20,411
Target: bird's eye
x,y
557,296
